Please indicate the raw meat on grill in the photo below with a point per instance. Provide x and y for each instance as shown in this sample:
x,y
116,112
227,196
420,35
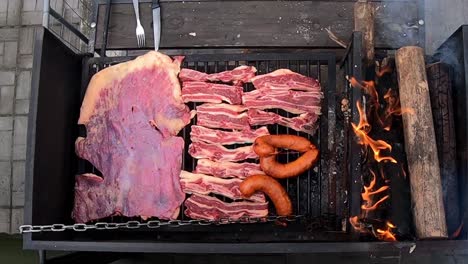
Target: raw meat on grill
x,y
211,93
239,75
204,184
226,169
284,79
306,122
296,102
217,152
132,112
192,75
224,116
210,208
215,136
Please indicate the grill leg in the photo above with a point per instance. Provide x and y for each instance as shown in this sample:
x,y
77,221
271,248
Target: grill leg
x,y
42,256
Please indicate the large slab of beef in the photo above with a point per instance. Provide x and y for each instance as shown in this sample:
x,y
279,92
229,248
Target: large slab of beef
x,y
132,112
211,208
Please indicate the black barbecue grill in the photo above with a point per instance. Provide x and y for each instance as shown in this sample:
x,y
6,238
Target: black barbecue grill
x,y
323,198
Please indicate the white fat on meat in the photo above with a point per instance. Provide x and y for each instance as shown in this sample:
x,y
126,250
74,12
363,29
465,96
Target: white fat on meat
x,y
215,136
211,208
226,169
205,184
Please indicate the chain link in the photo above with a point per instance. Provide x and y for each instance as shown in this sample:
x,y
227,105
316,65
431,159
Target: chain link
x,y
153,224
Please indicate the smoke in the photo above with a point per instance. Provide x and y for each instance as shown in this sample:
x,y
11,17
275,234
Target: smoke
x,y
450,53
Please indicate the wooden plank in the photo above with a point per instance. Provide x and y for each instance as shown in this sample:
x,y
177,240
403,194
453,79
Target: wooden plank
x,y
248,23
364,13
420,145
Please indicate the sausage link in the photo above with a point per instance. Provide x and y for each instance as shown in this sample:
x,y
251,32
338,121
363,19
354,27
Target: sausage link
x,y
271,188
266,149
279,170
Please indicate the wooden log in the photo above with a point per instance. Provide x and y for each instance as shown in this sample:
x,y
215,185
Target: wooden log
x,y
420,145
440,90
364,22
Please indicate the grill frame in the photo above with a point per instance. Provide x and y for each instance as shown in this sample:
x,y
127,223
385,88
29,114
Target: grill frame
x,y
46,44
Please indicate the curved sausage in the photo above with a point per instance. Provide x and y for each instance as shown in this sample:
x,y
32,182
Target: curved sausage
x,y
270,187
266,149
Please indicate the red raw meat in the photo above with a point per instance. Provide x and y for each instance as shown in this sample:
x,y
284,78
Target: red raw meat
x,y
204,184
239,75
222,116
296,102
211,93
217,152
226,169
284,79
306,122
211,208
132,112
215,136
192,75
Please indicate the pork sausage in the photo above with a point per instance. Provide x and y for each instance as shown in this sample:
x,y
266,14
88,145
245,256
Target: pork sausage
x,y
266,148
270,187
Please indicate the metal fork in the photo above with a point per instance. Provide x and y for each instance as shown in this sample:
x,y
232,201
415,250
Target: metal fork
x,y
140,32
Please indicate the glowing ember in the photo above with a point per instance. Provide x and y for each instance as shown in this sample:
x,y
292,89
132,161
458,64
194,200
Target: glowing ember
x,y
387,234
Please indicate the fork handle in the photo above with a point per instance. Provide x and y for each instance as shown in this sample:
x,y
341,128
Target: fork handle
x,y
137,12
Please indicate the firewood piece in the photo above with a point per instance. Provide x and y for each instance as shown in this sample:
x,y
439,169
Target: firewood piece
x,y
420,145
440,91
364,21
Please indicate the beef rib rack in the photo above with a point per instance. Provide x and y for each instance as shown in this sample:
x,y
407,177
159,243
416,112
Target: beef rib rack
x,y
132,112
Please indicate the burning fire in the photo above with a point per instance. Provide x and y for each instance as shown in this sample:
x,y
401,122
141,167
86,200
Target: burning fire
x,y
386,235
368,193
372,195
362,129
368,87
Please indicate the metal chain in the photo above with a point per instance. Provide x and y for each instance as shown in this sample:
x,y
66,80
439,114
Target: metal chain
x,y
152,224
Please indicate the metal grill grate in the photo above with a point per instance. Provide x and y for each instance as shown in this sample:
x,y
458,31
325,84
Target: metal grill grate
x,y
310,193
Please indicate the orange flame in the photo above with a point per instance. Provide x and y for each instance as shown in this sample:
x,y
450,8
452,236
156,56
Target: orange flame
x,y
368,87
387,234
354,221
363,124
393,104
371,192
368,193
361,131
